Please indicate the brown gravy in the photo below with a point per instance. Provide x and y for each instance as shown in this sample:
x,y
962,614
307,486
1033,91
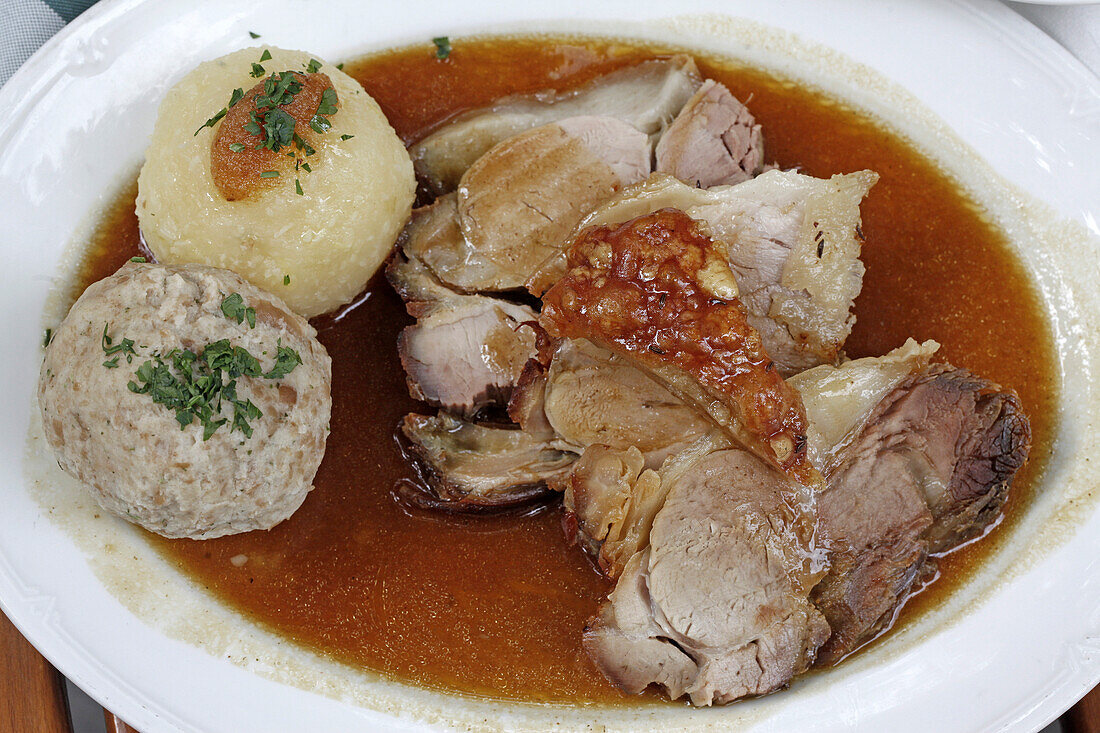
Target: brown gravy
x,y
495,605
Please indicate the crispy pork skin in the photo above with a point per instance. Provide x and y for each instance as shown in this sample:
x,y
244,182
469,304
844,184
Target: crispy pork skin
x,y
792,241
716,607
658,291
467,352
646,96
714,141
471,467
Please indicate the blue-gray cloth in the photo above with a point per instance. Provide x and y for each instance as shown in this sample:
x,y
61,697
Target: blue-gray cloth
x,y
27,24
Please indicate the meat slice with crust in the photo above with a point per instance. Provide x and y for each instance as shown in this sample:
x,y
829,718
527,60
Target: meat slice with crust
x,y
659,291
917,459
646,96
793,243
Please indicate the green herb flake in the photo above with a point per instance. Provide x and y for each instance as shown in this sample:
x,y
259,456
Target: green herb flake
x,y
286,279
442,47
346,137
49,335
265,56
257,71
313,66
298,190
137,259
253,34
236,96
286,359
340,66
212,121
269,174
236,147
124,347
234,309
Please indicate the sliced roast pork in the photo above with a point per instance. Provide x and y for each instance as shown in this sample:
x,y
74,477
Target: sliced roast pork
x,y
646,96
517,204
467,352
924,465
714,141
595,397
659,291
716,606
471,466
792,241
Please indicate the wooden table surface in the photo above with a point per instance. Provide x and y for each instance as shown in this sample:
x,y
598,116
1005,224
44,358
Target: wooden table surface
x,y
32,694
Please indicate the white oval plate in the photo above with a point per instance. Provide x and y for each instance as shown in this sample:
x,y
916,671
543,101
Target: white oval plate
x,y
1011,650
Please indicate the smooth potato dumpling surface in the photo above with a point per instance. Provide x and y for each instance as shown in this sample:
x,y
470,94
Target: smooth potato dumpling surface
x,y
315,250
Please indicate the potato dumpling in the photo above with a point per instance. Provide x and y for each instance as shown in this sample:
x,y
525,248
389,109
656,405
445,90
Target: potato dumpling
x,y
301,187
187,400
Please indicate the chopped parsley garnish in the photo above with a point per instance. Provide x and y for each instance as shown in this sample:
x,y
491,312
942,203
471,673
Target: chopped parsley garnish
x,y
313,66
198,386
320,122
265,56
303,146
254,35
340,66
306,168
269,174
286,281
278,129
298,190
442,47
124,347
49,331
234,309
346,137
137,259
257,71
279,89
237,95
286,360
213,120
236,147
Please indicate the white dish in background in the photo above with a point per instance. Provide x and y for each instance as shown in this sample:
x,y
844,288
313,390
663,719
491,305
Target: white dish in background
x,y
1012,649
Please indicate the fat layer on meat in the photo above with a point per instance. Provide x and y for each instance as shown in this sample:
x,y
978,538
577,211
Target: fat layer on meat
x,y
646,96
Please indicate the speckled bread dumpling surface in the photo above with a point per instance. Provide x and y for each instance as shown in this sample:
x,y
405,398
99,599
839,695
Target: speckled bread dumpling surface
x,y
316,250
134,454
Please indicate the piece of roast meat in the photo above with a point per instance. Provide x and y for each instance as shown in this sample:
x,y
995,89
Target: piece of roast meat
x,y
716,607
658,290
792,241
714,141
595,397
924,467
646,96
467,352
471,467
517,204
